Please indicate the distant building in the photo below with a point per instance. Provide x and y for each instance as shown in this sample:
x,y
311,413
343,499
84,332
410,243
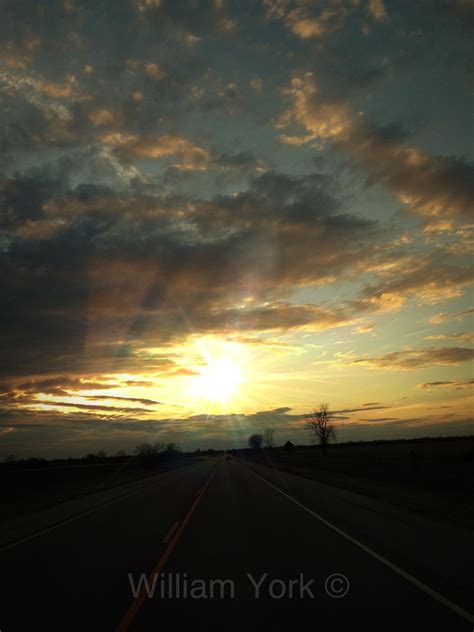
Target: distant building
x,y
288,446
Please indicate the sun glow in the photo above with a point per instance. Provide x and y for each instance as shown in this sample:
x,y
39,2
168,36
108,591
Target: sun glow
x,y
221,376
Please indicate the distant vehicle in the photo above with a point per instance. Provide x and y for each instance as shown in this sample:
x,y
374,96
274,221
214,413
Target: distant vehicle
x,y
228,457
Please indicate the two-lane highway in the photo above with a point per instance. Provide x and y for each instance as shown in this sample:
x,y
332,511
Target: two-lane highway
x,y
75,576
214,534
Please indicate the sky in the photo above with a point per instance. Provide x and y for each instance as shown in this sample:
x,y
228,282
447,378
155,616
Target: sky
x,y
216,215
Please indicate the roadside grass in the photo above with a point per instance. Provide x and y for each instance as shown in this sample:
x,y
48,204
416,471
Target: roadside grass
x,y
432,477
25,491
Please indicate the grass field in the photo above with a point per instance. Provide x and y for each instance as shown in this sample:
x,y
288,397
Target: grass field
x,y
434,477
24,491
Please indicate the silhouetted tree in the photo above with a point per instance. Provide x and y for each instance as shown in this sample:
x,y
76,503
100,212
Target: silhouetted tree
x,y
172,450
268,438
149,453
255,441
320,427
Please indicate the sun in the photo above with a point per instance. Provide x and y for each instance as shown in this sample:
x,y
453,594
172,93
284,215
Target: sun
x,y
218,381
221,375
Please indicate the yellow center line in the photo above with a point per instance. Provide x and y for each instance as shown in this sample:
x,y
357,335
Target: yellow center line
x,y
138,602
170,532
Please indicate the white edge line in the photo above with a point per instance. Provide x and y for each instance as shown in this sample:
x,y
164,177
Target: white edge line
x,y
158,478
416,582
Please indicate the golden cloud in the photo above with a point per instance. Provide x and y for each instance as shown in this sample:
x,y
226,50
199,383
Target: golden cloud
x,y
433,187
377,9
301,19
191,157
413,359
102,116
456,385
154,71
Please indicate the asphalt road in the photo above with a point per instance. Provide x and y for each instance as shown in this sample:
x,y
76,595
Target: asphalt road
x,y
205,538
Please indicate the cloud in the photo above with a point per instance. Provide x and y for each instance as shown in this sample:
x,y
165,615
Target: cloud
x,y
139,400
377,9
440,318
83,431
129,147
145,5
434,187
379,419
34,92
461,336
311,26
46,391
96,407
365,407
119,270
365,328
91,274
415,278
102,116
256,83
62,384
413,359
308,20
456,385
146,201
87,428
286,317
154,71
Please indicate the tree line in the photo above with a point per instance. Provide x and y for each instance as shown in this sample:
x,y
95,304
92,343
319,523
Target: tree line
x,y
318,423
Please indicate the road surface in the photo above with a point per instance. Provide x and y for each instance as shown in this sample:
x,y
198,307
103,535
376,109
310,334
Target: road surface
x,y
209,538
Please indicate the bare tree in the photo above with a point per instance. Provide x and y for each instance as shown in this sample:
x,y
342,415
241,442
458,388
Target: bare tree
x,y
255,441
149,453
320,427
268,438
172,450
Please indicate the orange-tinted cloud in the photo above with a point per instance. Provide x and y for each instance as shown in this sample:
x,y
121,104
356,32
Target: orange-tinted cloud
x,y
190,156
412,359
456,385
435,187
